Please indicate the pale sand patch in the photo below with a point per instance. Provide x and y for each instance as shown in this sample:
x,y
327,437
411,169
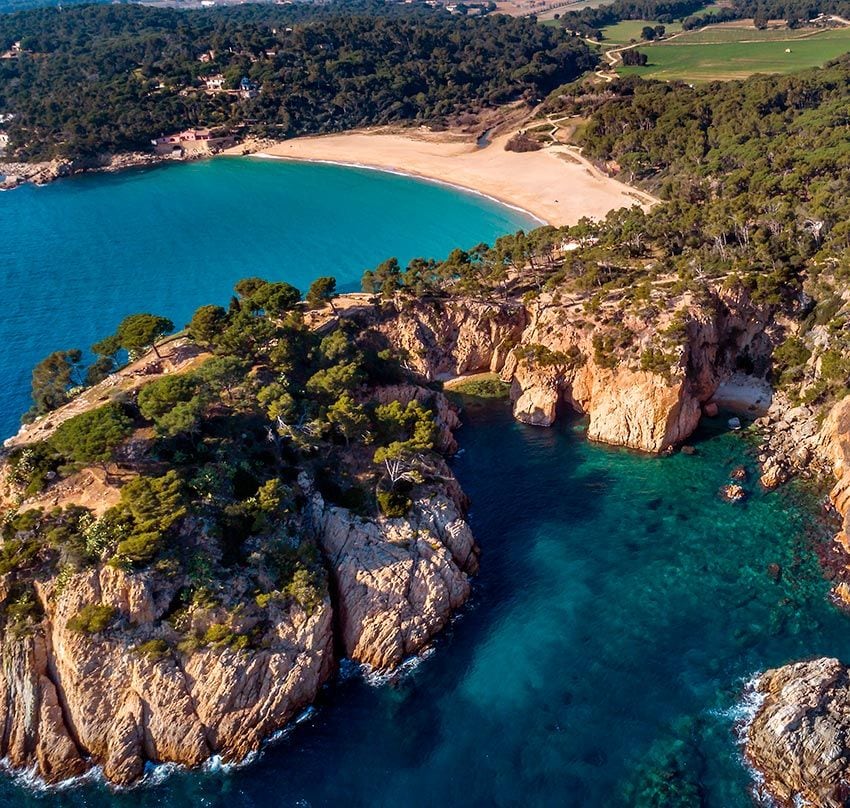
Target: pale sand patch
x,y
744,394
555,190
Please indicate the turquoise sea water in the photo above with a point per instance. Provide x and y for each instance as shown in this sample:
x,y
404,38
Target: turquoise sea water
x,y
621,605
78,255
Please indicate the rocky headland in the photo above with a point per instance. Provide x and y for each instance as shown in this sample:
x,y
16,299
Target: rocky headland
x,y
212,635
212,628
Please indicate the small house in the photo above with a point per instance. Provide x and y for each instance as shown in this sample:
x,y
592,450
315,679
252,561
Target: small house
x,y
214,83
248,88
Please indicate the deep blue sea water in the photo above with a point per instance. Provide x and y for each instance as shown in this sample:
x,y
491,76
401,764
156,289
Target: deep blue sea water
x,y
621,605
78,255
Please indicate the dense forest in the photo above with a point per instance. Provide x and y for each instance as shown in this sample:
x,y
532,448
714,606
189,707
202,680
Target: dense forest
x,y
589,21
108,78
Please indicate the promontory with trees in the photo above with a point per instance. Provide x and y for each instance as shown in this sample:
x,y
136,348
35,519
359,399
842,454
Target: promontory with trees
x,y
199,511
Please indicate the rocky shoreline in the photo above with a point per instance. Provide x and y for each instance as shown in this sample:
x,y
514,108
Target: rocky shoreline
x,y
71,701
15,174
798,740
393,583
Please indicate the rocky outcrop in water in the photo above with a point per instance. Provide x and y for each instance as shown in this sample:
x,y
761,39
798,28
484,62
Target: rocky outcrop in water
x,y
70,700
798,738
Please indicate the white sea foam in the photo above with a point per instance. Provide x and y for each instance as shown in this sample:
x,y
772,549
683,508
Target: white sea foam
x,y
400,173
349,669
154,774
30,779
741,714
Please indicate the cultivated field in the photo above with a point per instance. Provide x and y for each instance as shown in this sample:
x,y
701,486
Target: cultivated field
x,y
624,32
727,52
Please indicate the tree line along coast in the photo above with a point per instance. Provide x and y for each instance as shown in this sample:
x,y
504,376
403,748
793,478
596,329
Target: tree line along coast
x,y
228,468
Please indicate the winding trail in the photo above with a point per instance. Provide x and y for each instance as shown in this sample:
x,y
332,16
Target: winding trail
x,y
612,54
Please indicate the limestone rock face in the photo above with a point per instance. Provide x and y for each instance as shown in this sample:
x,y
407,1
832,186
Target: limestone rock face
x,y
798,738
69,700
397,581
549,354
456,337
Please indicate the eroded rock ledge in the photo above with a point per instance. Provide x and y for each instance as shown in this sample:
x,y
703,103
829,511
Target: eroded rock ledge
x,y
798,739
70,701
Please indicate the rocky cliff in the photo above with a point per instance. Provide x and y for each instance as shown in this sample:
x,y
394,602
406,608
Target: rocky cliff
x,y
70,700
114,665
397,581
798,738
641,375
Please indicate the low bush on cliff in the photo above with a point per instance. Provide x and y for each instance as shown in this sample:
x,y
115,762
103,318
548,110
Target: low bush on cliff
x,y
93,618
153,650
149,508
33,466
92,436
22,610
394,504
489,387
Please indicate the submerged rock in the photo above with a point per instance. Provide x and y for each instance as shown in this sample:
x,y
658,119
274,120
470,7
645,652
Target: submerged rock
x,y
733,493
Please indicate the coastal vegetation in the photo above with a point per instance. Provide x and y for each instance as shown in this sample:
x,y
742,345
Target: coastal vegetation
x,y
100,79
223,445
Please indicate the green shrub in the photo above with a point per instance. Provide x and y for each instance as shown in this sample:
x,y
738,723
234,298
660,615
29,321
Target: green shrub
x,y
149,507
92,619
655,360
220,635
305,589
23,610
153,649
394,504
32,465
789,360
91,437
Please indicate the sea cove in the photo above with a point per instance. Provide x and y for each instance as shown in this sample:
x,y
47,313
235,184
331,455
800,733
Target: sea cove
x,y
80,254
620,608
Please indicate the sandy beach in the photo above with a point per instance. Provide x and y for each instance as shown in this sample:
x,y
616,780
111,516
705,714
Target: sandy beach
x,y
554,184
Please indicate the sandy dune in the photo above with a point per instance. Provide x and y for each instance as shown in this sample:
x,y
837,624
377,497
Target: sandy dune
x,y
555,184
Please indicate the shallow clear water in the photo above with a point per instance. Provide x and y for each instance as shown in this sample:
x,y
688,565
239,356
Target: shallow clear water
x,y
78,255
620,607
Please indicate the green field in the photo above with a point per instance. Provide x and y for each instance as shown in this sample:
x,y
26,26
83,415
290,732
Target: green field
x,y
624,32
724,53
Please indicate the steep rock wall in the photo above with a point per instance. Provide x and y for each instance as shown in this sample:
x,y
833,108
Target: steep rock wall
x,y
69,700
547,352
397,581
